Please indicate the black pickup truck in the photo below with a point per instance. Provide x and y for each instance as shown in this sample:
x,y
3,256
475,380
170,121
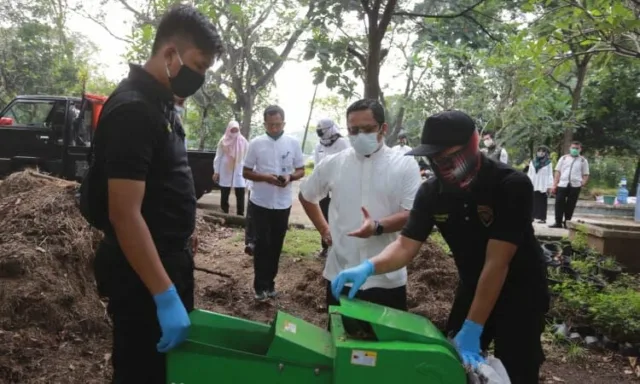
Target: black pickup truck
x,y
53,133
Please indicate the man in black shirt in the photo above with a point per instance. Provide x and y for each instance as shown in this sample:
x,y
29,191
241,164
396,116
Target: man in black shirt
x,y
144,265
483,210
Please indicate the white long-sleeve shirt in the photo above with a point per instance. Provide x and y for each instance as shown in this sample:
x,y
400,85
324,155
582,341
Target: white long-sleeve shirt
x,y
384,183
543,179
230,173
322,151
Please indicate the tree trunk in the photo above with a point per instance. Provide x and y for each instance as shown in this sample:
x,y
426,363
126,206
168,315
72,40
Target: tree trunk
x,y
636,179
247,114
372,69
581,75
397,127
203,128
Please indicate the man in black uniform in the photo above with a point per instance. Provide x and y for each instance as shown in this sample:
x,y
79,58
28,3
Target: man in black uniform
x,y
483,210
144,265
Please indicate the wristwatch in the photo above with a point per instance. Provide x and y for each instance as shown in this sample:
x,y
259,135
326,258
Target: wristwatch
x,y
378,228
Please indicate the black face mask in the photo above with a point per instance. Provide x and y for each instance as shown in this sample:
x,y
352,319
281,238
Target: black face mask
x,y
320,132
186,82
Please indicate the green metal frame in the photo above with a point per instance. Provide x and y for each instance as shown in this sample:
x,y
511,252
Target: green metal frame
x,y
225,349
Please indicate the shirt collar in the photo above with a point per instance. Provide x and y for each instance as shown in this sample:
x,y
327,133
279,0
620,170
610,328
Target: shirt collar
x,y
138,74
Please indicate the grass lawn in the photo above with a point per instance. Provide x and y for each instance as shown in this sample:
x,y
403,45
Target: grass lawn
x,y
298,243
301,243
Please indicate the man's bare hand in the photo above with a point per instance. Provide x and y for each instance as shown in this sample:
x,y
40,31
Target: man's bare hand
x,y
284,180
368,226
271,179
325,234
216,177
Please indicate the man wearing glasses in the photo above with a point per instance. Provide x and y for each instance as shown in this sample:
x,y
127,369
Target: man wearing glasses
x,y
372,189
273,161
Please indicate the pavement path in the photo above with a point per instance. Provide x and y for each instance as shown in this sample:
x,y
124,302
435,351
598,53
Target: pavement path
x,y
212,201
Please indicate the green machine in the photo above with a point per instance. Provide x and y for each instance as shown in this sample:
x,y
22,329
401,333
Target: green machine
x,y
398,346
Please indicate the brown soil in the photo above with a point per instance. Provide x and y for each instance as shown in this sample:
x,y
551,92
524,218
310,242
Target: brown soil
x,y
53,327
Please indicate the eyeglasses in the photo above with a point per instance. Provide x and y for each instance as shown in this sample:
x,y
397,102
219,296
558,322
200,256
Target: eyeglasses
x,y
354,129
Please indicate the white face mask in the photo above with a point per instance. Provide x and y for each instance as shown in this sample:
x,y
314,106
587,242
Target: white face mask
x,y
365,143
488,143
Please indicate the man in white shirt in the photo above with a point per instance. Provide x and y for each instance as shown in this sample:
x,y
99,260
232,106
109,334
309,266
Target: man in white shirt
x,y
402,146
492,150
273,161
372,190
572,173
331,142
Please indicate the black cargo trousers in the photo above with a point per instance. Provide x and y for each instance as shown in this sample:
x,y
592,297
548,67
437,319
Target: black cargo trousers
x,y
515,327
136,330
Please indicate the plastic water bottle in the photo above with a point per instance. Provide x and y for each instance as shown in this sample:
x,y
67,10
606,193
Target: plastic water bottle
x,y
623,192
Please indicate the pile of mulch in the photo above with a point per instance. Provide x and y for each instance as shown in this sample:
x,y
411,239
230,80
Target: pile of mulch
x,y
53,326
50,314
433,278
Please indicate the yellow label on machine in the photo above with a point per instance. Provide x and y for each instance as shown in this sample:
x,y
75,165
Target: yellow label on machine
x,y
290,327
364,358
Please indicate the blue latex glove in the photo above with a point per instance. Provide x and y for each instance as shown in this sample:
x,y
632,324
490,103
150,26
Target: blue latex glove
x,y
173,318
468,343
356,275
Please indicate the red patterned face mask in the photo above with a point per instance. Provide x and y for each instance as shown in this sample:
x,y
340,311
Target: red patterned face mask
x,y
459,169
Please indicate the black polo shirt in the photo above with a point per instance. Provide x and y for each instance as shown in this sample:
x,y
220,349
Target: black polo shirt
x,y
144,140
498,206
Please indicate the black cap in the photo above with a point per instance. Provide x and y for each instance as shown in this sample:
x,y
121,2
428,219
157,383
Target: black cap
x,y
444,130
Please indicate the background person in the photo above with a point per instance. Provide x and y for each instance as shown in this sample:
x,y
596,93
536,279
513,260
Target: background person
x,y
144,264
540,172
572,173
403,144
331,142
372,188
273,161
493,150
482,208
227,167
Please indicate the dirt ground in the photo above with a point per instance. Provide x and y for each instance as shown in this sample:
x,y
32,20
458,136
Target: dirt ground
x,y
53,328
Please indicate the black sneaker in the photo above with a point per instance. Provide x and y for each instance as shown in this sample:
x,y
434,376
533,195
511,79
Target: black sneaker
x,y
248,249
555,225
262,296
272,294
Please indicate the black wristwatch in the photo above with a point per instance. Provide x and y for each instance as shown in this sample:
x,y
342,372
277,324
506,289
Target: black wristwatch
x,y
379,229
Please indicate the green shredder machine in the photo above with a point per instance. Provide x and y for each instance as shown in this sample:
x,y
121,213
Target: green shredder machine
x,y
399,346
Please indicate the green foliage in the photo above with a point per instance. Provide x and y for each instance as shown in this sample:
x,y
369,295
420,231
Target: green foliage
x,y
616,313
613,311
438,240
607,171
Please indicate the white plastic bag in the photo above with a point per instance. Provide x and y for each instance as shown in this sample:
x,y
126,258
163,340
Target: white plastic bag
x,y
493,372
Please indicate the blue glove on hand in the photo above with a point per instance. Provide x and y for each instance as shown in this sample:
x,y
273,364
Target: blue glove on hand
x,y
356,275
468,343
173,318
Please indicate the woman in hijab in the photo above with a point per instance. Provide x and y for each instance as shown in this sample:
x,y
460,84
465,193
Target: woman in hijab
x,y
541,174
228,164
331,141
